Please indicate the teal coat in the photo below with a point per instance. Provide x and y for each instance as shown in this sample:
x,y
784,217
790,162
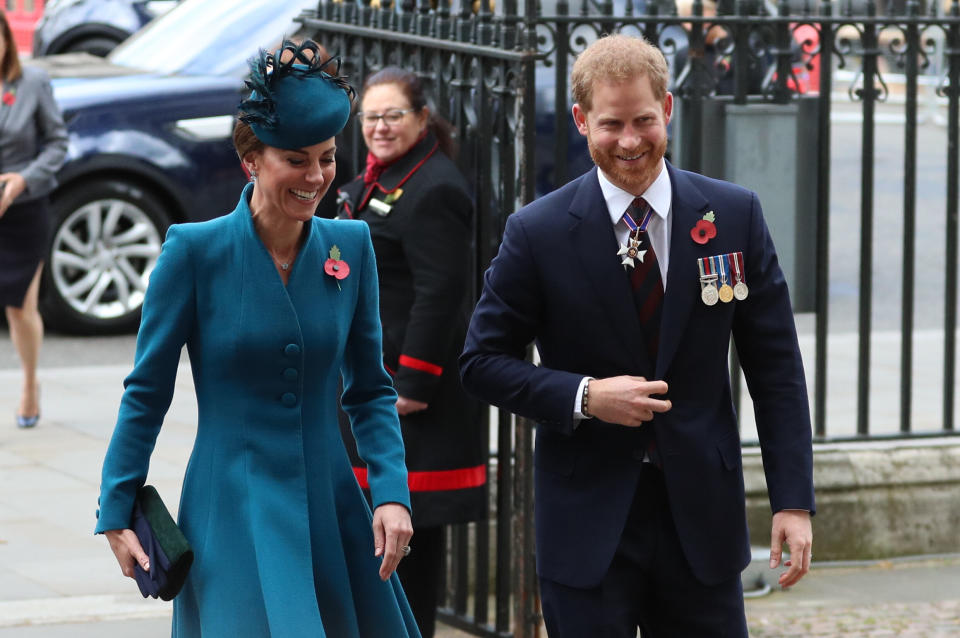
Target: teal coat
x,y
280,528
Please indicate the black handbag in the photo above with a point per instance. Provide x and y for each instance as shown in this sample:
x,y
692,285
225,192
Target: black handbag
x,y
167,548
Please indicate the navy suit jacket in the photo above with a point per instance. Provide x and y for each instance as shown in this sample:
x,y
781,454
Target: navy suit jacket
x,y
558,282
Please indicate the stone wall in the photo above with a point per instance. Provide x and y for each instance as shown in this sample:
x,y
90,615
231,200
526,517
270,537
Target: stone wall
x,y
874,499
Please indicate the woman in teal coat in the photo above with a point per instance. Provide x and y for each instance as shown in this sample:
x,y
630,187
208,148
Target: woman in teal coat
x,y
274,305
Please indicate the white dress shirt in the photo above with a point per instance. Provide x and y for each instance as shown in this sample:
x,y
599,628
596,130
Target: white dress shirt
x,y
660,198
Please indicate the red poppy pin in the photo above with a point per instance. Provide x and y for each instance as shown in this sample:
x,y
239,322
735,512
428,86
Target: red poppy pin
x,y
336,267
9,97
705,230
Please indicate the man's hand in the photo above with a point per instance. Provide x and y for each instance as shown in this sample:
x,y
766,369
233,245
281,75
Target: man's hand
x,y
13,184
793,528
626,400
409,406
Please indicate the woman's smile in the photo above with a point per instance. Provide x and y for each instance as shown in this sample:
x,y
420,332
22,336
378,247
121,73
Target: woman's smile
x,y
304,195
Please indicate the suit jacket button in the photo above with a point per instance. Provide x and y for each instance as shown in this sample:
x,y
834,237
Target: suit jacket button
x,y
289,399
291,349
639,453
290,374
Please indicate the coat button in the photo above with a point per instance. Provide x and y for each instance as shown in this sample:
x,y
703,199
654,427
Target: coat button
x,y
289,399
291,349
290,374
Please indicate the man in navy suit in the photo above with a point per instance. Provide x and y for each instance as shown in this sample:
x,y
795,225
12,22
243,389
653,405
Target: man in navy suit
x,y
631,280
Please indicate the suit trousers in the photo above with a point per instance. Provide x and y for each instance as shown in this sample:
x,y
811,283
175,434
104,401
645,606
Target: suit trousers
x,y
649,585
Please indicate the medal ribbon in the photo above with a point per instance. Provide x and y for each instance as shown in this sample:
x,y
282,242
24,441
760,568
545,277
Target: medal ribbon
x,y
632,225
706,267
737,261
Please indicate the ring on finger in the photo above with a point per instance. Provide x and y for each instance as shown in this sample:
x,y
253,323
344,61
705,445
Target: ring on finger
x,y
405,549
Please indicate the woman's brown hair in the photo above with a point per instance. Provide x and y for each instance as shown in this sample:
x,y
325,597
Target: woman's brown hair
x,y
412,88
10,68
244,140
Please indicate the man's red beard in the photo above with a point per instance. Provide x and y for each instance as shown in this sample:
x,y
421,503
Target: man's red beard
x,y
636,179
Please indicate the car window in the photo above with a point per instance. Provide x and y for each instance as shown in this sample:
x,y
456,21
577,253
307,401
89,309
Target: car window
x,y
200,37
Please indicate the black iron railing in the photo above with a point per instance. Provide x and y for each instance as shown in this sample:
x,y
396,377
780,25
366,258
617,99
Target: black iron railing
x,y
875,230
478,71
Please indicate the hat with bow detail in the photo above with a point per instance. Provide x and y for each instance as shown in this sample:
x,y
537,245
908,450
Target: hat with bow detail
x,y
296,99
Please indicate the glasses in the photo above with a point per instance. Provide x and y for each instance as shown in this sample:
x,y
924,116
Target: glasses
x,y
391,117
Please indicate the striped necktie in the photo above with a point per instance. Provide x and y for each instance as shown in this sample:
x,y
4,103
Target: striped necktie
x,y
646,282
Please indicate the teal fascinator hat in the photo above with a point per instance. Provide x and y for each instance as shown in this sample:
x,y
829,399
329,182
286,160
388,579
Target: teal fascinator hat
x,y
296,98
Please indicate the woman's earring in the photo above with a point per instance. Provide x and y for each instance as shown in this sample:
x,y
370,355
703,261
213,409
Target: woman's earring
x,y
253,176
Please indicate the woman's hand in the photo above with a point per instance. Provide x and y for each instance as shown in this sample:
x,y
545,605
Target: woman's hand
x,y
13,185
407,406
126,547
392,530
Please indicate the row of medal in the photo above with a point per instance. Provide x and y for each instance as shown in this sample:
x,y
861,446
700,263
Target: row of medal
x,y
716,275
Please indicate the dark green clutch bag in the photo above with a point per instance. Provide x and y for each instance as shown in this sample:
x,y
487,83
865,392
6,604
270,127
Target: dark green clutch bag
x,y
163,542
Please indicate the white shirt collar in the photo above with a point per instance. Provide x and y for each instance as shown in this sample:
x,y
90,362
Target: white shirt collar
x,y
659,195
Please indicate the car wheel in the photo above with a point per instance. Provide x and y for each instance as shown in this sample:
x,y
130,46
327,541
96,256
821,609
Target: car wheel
x,y
95,46
105,242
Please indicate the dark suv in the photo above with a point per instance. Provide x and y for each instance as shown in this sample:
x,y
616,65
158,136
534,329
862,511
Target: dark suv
x,y
149,145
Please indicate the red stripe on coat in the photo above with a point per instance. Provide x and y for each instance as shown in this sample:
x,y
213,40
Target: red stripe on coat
x,y
435,481
421,365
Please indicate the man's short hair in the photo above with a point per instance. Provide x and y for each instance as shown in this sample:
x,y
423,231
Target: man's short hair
x,y
618,58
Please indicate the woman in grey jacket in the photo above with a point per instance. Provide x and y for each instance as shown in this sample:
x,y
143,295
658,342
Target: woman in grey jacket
x,y
33,143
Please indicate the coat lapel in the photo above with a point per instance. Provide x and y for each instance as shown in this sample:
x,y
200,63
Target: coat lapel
x,y
6,108
263,294
689,205
591,235
398,172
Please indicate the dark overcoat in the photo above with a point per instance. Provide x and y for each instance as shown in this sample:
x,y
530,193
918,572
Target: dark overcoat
x,y
420,223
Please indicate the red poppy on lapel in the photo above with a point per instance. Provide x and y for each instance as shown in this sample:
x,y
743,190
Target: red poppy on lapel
x,y
705,230
336,267
9,97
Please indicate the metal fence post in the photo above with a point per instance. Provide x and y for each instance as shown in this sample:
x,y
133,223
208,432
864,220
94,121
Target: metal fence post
x,y
823,219
952,91
526,617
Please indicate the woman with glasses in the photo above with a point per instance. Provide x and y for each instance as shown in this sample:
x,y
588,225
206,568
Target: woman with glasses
x,y
418,207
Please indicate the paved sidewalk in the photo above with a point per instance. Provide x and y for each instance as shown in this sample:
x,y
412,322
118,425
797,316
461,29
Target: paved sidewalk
x,y
909,598
57,580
